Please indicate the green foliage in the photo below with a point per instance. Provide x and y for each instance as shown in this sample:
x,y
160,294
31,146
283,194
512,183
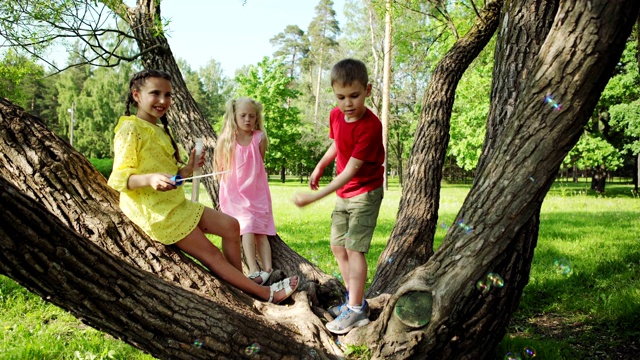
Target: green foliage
x,y
209,87
615,120
361,352
105,166
18,77
624,85
218,89
591,152
293,47
471,109
626,118
98,108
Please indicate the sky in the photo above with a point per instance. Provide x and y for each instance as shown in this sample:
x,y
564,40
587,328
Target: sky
x,y
231,33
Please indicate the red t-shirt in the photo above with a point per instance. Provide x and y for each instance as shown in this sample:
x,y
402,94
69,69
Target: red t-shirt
x,y
361,139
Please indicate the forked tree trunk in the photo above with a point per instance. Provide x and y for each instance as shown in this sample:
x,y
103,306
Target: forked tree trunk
x,y
411,242
438,313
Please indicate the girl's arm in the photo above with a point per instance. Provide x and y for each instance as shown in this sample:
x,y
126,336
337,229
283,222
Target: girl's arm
x,y
263,146
158,181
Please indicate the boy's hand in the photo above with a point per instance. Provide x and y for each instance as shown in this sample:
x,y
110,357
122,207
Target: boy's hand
x,y
303,199
314,179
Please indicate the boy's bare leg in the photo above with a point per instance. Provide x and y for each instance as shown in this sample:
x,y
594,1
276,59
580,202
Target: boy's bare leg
x,y
342,258
357,277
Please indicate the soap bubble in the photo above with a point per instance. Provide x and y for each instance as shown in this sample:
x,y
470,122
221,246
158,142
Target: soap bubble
x,y
529,352
252,349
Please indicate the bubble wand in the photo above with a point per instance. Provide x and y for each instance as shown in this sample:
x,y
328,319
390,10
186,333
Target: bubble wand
x,y
195,192
179,180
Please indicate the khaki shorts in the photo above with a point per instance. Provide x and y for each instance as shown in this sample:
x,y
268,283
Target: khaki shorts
x,y
354,219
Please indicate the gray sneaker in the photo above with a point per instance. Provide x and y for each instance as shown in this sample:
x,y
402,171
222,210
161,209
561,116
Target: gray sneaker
x,y
348,320
335,311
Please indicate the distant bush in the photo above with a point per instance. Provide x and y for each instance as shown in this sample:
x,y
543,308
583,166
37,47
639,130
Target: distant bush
x,y
103,165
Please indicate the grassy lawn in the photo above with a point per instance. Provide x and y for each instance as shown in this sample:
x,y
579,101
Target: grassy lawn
x,y
582,300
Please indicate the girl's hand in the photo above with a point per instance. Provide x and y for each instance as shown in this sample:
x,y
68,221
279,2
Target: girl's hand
x,y
303,199
162,182
187,170
199,161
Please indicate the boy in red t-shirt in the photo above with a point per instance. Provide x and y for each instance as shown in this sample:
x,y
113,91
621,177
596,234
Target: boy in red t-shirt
x,y
357,148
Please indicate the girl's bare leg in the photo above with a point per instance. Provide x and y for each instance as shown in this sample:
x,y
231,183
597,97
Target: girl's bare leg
x,y
227,227
249,247
200,247
264,251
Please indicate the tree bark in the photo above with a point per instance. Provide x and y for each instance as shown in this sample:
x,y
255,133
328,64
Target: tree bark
x,y
411,242
599,179
504,199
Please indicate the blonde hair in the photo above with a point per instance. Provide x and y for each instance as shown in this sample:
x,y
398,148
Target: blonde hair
x,y
226,145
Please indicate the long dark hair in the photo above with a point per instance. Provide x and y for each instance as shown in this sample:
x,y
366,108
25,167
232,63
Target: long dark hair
x,y
136,82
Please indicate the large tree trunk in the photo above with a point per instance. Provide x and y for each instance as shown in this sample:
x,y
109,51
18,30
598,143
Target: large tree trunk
x,y
438,312
411,242
64,190
158,316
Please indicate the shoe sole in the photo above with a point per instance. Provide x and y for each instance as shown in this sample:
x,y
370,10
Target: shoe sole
x,y
356,324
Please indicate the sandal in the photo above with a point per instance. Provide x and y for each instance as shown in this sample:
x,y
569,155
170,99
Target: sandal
x,y
280,285
262,274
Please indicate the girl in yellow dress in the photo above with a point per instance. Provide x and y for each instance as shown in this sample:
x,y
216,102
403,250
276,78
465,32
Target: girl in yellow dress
x,y
146,157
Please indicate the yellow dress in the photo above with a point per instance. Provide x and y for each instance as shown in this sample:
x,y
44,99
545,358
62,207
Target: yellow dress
x,y
142,148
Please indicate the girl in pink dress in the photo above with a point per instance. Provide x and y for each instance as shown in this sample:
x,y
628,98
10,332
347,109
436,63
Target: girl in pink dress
x,y
244,193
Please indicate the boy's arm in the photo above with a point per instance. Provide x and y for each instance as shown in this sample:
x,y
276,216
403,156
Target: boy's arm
x,y
339,181
328,157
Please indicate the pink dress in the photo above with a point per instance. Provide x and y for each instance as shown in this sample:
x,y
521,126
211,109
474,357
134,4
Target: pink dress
x,y
244,193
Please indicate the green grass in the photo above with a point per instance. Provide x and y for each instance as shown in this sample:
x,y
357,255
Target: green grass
x,y
592,309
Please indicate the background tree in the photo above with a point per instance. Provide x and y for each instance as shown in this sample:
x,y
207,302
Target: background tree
x,y
293,46
268,82
470,111
98,106
218,88
322,33
23,81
